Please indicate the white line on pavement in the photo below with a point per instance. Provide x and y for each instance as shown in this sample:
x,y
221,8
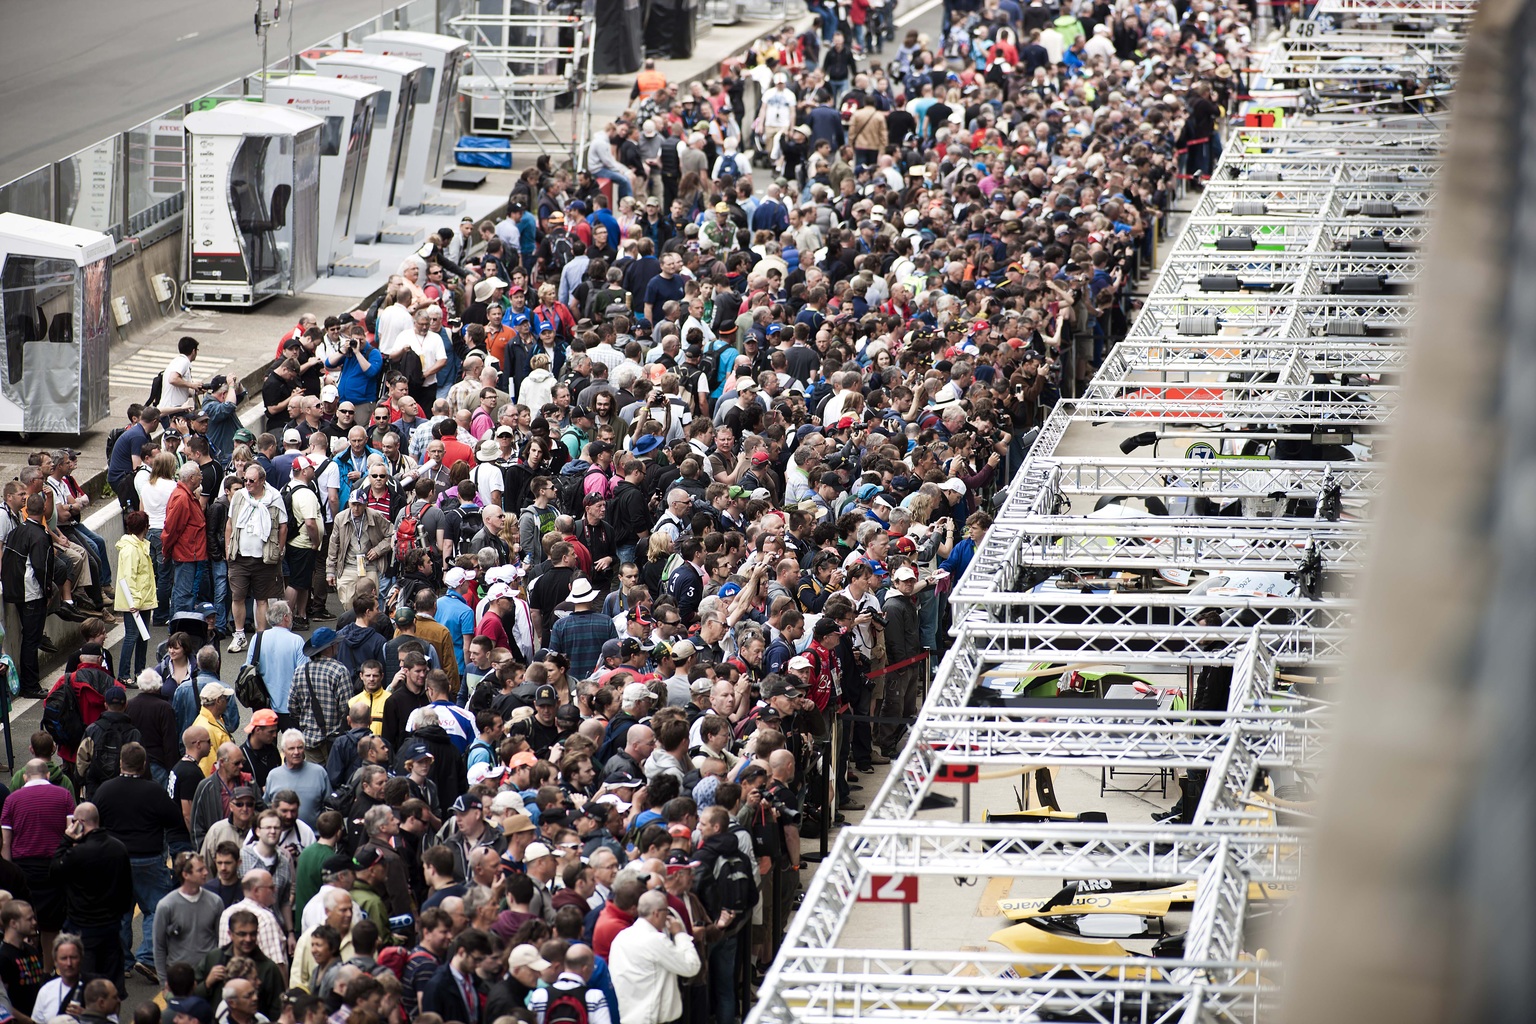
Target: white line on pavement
x,y
917,12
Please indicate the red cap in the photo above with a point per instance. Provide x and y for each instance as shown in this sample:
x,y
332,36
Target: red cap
x,y
845,423
759,457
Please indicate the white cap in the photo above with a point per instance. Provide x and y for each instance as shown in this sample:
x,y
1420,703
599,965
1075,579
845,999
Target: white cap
x,y
500,590
954,486
456,576
799,662
329,393
683,650
292,436
613,799
634,692
905,573
535,851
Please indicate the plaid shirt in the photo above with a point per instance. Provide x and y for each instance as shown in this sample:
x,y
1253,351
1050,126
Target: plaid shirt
x,y
580,637
322,686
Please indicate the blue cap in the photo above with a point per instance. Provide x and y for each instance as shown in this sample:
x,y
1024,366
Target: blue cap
x,y
729,590
206,609
775,328
319,640
868,491
190,1006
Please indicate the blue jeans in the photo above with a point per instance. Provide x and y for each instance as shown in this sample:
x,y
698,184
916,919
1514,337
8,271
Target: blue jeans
x,y
162,578
628,553
151,881
186,584
221,593
85,538
621,186
722,980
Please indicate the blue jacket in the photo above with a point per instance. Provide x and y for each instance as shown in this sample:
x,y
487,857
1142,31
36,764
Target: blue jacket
x,y
458,619
356,384
959,558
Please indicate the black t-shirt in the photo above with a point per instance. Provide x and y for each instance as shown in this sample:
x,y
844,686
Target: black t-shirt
x,y
899,124
23,974
274,390
261,762
549,590
213,477
185,777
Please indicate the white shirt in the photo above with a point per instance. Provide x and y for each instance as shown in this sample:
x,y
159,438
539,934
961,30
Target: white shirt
x,y
173,396
396,329
488,480
778,109
153,499
432,352
645,965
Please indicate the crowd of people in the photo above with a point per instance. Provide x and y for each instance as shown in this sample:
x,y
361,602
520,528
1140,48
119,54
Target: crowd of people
x,y
574,585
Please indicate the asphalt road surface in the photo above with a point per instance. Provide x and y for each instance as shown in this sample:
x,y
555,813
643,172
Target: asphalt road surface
x,y
73,72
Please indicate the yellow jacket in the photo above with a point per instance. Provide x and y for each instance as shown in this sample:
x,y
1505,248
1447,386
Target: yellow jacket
x,y
217,737
375,704
135,575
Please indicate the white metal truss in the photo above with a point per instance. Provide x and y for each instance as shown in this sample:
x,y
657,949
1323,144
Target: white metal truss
x,y
1212,545
1387,8
1198,355
1297,338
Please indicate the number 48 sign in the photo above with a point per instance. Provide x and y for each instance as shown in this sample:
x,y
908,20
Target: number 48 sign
x,y
888,889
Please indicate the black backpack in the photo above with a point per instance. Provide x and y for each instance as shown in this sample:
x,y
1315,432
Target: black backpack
x,y
98,755
560,251
570,487
733,883
566,1006
250,687
156,389
112,436
61,714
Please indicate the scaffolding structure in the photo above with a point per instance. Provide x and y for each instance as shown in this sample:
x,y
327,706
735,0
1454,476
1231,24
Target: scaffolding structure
x,y
1267,356
522,65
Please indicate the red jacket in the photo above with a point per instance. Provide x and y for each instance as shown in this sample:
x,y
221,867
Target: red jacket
x,y
610,922
185,536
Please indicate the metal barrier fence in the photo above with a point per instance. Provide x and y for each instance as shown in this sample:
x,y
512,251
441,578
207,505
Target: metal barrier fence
x,y
131,185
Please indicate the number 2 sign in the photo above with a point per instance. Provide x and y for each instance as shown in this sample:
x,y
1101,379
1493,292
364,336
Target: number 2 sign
x,y
888,889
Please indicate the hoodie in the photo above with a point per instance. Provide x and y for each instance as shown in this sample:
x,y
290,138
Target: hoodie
x,y
357,643
662,763
447,765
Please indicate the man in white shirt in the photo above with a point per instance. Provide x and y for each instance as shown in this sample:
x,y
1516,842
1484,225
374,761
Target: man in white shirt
x,y
395,321
177,388
646,960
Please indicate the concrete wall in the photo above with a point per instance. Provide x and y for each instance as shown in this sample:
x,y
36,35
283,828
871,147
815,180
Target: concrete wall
x,y
131,279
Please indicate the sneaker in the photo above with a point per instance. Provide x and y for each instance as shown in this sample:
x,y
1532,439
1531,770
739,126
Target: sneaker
x,y
146,972
237,644
850,804
299,623
879,759
322,613
47,646
867,769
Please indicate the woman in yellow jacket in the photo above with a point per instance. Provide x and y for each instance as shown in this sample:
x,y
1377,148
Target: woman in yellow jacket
x,y
136,591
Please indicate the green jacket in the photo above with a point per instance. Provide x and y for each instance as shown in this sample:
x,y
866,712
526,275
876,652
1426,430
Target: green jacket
x,y
371,904
55,775
271,981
